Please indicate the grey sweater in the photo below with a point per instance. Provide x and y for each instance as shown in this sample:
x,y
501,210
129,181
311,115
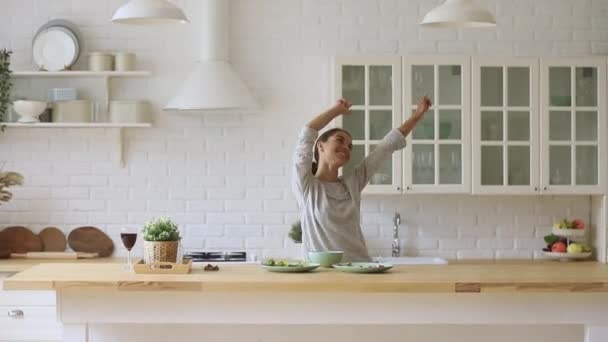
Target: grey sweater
x,y
330,211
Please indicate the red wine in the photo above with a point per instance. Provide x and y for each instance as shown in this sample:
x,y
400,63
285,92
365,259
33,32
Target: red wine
x,y
128,240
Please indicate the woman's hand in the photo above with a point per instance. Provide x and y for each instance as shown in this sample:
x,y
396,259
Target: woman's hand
x,y
342,107
424,103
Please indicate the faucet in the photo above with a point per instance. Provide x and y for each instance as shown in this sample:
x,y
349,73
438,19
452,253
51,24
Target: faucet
x,y
396,248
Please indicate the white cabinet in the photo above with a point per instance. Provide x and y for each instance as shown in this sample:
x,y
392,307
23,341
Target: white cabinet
x,y
437,157
497,125
28,315
505,126
573,126
373,86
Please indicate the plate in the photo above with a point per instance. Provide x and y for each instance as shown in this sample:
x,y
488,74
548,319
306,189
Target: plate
x,y
55,48
566,256
307,267
363,267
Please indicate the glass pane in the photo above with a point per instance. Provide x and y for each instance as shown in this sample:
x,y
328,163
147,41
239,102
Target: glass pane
x,y
491,126
423,82
384,175
356,157
449,124
559,86
423,164
559,125
380,123
519,165
586,126
491,86
450,164
559,165
518,86
586,87
586,165
518,127
450,85
425,128
355,124
381,85
353,83
491,165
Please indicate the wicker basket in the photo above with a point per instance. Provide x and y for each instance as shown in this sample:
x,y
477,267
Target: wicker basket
x,y
160,251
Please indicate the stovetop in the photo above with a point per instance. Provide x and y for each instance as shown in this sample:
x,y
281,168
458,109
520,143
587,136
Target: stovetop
x,y
217,256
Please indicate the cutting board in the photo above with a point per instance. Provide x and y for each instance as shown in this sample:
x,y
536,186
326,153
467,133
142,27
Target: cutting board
x,y
54,255
91,240
20,240
53,240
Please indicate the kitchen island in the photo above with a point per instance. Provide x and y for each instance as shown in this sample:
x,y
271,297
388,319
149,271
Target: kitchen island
x,y
523,293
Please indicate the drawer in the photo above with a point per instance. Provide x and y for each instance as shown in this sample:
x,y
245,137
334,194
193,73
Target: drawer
x,y
25,298
38,323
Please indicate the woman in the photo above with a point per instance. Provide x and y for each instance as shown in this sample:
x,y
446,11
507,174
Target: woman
x,y
331,204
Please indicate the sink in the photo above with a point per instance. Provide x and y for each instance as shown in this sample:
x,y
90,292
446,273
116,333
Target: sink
x,y
414,260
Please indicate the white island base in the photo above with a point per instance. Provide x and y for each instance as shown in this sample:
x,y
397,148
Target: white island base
x,y
95,315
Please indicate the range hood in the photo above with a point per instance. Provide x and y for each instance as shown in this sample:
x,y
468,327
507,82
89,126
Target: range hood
x,y
213,84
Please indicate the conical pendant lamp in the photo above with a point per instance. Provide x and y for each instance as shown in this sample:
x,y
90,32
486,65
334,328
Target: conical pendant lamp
x,y
144,12
459,14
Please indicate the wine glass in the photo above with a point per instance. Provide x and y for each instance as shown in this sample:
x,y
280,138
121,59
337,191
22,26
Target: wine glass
x,y
128,237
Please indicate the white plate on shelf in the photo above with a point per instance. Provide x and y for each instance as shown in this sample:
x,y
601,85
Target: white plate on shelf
x,y
55,48
566,256
569,232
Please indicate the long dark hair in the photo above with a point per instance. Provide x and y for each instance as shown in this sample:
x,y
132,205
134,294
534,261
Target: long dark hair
x,y
323,138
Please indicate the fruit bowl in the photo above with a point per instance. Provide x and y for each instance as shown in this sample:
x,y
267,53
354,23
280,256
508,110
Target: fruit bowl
x,y
569,232
566,256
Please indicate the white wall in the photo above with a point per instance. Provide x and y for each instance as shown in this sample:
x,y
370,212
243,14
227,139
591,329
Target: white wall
x,y
224,177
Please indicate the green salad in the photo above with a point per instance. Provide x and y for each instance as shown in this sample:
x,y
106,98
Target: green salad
x,y
283,263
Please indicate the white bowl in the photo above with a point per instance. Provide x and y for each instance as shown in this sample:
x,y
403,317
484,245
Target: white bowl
x,y
29,110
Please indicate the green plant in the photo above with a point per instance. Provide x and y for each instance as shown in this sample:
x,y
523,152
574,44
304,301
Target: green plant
x,y
296,232
5,84
161,229
8,179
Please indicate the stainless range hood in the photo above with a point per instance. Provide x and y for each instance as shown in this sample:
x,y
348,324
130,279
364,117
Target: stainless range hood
x,y
213,84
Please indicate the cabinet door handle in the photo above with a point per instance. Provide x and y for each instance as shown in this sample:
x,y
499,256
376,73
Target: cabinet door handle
x,y
535,188
15,313
408,187
545,188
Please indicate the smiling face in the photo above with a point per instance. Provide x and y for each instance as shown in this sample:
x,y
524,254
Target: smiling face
x,y
336,150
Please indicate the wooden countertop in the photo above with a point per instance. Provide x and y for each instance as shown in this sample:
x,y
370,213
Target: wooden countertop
x,y
18,265
508,277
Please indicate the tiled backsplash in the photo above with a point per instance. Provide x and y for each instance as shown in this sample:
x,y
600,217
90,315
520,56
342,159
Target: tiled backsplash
x,y
224,178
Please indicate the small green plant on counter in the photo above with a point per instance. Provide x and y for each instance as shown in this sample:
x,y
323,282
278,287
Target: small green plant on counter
x,y
5,85
161,229
296,232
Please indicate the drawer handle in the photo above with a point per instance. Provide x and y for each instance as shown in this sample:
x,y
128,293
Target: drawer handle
x,y
15,313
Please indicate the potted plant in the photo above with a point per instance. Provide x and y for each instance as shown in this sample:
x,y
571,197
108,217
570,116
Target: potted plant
x,y
8,179
161,241
295,233
5,85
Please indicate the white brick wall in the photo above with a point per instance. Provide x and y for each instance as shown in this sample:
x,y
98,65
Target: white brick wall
x,y
225,177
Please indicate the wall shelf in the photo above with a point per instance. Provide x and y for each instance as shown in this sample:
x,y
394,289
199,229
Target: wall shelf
x,y
118,136
76,125
106,76
83,73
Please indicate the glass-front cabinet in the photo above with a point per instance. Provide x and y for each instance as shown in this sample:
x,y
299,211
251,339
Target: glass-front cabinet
x,y
497,125
573,104
437,157
505,126
373,86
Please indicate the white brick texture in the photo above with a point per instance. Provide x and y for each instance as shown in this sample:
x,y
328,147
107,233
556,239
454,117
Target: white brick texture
x,y
225,177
